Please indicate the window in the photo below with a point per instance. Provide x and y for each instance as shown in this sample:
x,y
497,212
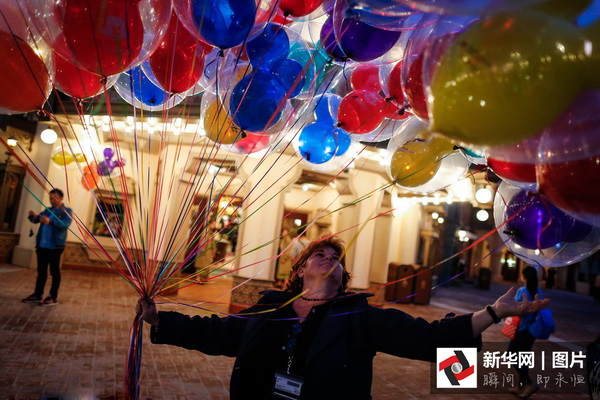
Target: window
x,y
109,217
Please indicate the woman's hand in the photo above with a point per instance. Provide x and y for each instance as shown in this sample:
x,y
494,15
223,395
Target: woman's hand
x,y
507,306
147,309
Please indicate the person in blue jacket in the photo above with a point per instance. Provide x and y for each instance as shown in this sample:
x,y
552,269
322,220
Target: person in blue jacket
x,y
524,340
49,246
315,340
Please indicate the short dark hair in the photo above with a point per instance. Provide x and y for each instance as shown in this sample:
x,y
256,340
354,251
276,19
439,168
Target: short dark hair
x,y
295,283
58,192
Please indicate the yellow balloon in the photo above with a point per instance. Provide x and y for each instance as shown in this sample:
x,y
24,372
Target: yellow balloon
x,y
508,77
80,157
417,161
568,10
62,158
218,126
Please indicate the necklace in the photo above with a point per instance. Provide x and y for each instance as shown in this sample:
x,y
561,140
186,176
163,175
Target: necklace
x,y
308,299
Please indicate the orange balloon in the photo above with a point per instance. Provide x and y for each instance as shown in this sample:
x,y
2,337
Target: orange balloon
x,y
24,78
218,125
90,177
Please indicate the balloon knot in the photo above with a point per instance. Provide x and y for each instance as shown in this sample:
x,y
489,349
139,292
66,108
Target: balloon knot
x,y
221,53
338,125
401,110
509,233
103,80
330,61
389,99
42,113
243,134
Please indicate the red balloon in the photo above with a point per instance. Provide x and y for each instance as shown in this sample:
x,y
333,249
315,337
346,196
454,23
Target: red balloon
x,y
395,85
570,185
74,81
24,78
396,113
361,111
252,143
365,77
512,171
104,37
178,62
299,8
414,89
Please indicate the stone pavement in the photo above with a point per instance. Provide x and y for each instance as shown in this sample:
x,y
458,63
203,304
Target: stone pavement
x,y
77,349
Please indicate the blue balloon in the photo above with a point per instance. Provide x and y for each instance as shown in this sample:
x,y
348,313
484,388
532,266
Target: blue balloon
x,y
318,143
257,101
327,108
224,23
144,90
270,47
343,142
290,74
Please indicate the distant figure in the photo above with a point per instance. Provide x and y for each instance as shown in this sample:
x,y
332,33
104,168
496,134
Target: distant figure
x,y
300,244
524,340
283,266
49,246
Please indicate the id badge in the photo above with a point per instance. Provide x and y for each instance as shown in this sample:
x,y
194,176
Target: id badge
x,y
286,386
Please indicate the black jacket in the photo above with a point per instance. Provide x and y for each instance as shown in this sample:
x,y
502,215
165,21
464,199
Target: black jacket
x,y
339,363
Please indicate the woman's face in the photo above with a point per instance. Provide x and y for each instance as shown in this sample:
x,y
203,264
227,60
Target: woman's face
x,y
323,262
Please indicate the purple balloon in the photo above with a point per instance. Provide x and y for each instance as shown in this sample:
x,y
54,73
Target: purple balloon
x,y
580,231
108,153
537,224
329,43
104,168
363,42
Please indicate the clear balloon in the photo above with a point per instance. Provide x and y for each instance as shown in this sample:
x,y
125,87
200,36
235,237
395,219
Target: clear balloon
x,y
123,33
478,82
569,159
224,23
24,77
178,62
562,253
360,41
361,111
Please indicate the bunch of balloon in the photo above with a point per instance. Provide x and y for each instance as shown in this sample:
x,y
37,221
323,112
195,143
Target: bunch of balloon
x,y
421,162
122,35
481,95
322,145
26,71
538,232
140,90
178,62
258,99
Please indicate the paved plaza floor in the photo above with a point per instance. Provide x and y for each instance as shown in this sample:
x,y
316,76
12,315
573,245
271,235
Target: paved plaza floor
x,y
77,349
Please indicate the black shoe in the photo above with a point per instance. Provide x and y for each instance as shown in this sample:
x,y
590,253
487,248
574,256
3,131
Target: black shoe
x,y
32,299
48,301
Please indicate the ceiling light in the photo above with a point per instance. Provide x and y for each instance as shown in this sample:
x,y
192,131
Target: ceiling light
x,y
48,136
11,142
482,215
483,195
